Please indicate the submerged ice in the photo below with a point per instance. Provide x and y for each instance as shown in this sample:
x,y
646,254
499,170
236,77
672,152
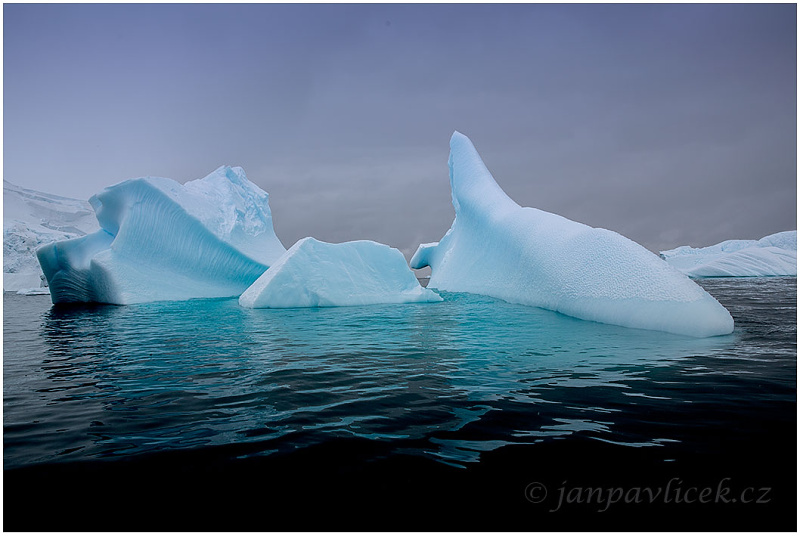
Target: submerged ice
x,y
160,240
524,255
773,255
317,274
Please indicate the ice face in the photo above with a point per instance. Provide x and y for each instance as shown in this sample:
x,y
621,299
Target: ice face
x,y
160,240
528,256
773,255
317,274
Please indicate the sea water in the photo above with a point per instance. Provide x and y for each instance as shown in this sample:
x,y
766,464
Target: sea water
x,y
452,389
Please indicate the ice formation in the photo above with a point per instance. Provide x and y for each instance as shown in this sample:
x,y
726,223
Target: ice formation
x,y
30,220
160,240
773,255
318,274
525,255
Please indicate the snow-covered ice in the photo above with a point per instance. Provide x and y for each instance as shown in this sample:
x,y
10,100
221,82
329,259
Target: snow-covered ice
x,y
40,291
318,274
773,255
30,220
525,255
160,240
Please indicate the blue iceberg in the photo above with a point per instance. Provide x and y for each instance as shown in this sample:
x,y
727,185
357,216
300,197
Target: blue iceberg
x,y
524,255
160,240
318,274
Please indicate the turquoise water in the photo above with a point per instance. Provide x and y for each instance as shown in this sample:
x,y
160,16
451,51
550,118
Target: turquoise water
x,y
451,384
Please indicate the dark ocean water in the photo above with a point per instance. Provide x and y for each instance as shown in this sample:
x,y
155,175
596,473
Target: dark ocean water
x,y
471,414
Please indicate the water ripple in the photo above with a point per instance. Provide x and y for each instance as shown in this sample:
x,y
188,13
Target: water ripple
x,y
462,377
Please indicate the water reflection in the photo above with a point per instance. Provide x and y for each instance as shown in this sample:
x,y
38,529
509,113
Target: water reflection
x,y
450,379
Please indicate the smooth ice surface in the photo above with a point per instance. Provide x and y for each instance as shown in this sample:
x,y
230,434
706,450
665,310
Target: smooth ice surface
x,y
160,240
32,219
318,274
773,255
528,256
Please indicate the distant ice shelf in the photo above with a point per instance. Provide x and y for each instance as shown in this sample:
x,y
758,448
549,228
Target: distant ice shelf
x,y
35,291
160,240
32,219
773,255
524,255
318,274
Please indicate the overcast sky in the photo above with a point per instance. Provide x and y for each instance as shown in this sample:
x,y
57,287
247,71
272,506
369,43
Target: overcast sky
x,y
670,124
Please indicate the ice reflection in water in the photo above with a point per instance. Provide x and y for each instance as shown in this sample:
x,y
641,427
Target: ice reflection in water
x,y
447,380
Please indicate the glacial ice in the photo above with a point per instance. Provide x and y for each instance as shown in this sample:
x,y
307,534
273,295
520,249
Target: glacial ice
x,y
30,220
160,240
773,255
318,274
525,255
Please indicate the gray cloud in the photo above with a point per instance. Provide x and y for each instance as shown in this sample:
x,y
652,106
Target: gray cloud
x,y
671,124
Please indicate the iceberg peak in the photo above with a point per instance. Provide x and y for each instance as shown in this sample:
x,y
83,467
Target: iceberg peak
x,y
473,188
524,255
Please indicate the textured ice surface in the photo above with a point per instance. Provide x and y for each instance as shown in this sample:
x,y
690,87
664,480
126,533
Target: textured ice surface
x,y
773,255
30,220
317,274
160,240
528,256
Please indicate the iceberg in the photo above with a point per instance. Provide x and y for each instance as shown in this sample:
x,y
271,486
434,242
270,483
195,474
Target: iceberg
x,y
524,255
318,274
160,240
773,255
